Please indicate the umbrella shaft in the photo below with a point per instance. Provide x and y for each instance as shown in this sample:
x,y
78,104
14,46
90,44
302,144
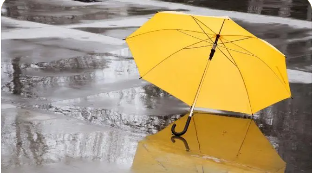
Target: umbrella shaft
x,y
199,87
213,49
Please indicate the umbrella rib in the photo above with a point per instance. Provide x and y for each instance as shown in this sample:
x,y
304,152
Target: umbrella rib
x,y
198,47
191,35
171,56
236,51
202,28
237,39
240,75
227,57
240,36
163,30
203,24
233,43
263,63
224,44
228,52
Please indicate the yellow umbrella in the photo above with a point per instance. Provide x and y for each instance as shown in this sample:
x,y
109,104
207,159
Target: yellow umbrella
x,y
209,62
213,144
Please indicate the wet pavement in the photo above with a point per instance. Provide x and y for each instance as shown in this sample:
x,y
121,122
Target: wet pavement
x,y
60,14
71,97
36,138
297,9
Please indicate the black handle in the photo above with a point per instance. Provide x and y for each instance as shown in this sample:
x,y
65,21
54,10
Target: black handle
x,y
184,130
183,140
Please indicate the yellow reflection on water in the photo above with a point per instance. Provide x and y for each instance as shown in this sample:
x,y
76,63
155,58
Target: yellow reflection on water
x,y
212,144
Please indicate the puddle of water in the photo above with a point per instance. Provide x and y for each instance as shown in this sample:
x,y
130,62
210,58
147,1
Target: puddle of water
x,y
91,71
298,9
71,87
42,50
118,32
37,139
145,109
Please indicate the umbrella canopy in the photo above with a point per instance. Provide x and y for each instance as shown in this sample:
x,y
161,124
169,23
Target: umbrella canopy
x,y
209,62
213,144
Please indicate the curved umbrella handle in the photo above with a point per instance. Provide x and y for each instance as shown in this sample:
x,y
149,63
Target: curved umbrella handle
x,y
184,130
183,140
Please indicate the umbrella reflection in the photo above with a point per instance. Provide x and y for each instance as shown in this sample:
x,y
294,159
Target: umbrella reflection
x,y
213,143
181,139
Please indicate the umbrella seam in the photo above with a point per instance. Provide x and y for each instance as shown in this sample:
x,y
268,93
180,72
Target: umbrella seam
x,y
242,78
265,64
197,135
244,138
280,74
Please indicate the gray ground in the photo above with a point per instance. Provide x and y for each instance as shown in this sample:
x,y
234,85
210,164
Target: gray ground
x,y
72,100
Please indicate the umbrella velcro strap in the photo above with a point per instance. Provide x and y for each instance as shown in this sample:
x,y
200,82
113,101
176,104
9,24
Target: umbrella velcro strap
x,y
211,53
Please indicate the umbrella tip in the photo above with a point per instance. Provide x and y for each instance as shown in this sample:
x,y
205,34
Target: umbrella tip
x,y
124,39
140,78
291,97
